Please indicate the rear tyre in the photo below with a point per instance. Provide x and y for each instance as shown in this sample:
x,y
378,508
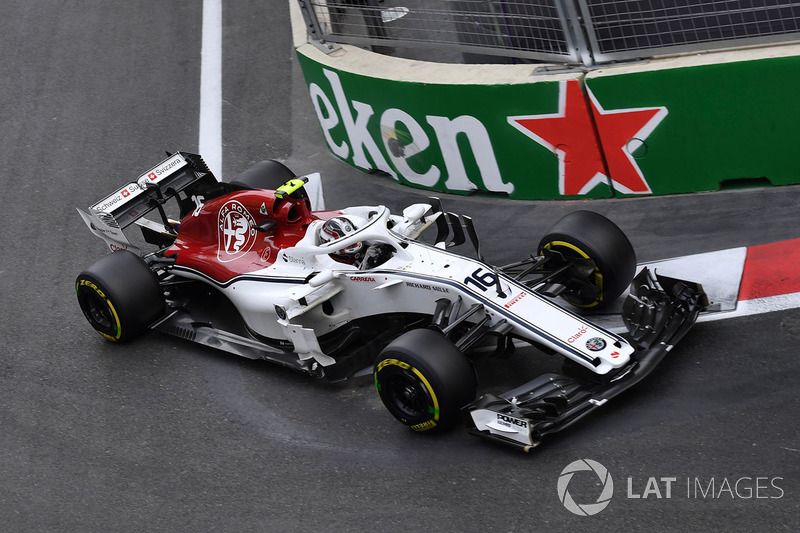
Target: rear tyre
x,y
120,296
268,174
583,235
424,381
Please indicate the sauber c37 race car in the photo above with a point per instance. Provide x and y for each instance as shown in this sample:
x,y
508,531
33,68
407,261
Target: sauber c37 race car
x,y
249,268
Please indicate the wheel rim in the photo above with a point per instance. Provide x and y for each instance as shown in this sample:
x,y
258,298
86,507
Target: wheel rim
x,y
98,312
570,250
406,396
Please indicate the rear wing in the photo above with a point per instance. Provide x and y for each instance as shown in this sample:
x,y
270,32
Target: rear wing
x,y
182,176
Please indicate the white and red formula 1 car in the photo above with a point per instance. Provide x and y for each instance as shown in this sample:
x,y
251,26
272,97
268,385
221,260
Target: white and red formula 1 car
x,y
249,268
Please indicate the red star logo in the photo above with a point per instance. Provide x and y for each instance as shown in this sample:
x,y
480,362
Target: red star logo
x,y
588,144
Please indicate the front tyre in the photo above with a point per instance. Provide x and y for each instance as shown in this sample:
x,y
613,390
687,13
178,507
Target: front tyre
x,y
585,237
424,381
120,296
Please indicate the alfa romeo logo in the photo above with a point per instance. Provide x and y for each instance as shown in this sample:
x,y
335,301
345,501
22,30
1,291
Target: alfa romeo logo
x,y
236,230
585,509
595,344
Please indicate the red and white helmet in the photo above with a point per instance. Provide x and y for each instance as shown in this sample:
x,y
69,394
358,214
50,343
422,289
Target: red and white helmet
x,y
336,228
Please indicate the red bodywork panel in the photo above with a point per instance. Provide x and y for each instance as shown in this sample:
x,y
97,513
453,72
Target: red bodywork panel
x,y
220,239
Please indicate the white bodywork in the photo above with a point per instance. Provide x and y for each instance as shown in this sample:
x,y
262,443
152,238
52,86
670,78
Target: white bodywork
x,y
282,302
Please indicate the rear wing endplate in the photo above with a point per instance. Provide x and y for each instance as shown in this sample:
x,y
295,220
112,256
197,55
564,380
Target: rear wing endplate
x,y
180,171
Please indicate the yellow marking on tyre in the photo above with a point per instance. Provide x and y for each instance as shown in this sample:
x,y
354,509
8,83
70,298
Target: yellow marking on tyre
x,y
430,424
401,364
405,366
101,294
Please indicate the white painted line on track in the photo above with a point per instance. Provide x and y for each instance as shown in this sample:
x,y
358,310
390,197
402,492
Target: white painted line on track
x,y
719,272
210,137
757,306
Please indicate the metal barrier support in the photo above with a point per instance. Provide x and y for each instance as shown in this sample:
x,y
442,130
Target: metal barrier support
x,y
573,32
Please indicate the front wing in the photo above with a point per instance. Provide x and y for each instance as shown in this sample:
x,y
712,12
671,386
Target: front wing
x,y
657,313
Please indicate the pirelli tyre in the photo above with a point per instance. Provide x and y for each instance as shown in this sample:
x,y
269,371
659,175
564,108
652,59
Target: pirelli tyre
x,y
120,296
268,174
585,235
424,381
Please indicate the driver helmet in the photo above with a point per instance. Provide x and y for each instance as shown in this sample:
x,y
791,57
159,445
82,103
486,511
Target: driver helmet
x,y
338,227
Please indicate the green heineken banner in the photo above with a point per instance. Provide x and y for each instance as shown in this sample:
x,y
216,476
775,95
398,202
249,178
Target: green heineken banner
x,y
616,132
724,124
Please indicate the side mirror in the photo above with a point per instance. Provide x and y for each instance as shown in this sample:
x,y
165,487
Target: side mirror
x,y
266,225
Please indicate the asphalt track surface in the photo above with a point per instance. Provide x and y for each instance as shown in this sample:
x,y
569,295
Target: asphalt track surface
x,y
162,435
